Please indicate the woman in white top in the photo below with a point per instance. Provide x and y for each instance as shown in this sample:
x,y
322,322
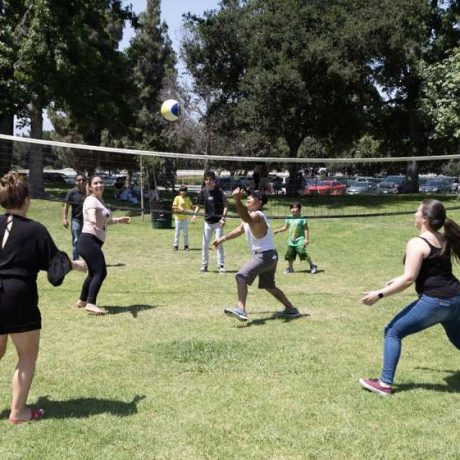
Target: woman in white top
x,y
96,217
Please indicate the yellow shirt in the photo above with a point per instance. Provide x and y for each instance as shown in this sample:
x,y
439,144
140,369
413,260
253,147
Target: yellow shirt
x,y
185,203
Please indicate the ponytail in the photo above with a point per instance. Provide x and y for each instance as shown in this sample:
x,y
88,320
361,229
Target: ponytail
x,y
452,235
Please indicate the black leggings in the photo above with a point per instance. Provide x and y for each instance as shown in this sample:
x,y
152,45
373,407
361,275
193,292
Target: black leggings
x,y
89,248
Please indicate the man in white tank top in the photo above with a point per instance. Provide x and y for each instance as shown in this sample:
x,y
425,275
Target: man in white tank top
x,y
264,260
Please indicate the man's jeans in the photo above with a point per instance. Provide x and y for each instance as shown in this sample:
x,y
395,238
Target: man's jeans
x,y
417,316
75,228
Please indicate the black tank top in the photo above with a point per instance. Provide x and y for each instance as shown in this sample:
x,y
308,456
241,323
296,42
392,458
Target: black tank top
x,y
435,278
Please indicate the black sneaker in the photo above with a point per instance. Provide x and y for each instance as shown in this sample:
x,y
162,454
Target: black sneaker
x,y
313,269
175,248
288,313
203,269
186,248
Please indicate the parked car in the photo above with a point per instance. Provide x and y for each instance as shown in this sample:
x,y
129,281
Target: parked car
x,y
362,188
392,184
326,187
435,186
276,184
57,178
226,183
246,182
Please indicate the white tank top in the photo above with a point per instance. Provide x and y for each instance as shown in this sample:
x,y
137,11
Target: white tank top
x,y
260,244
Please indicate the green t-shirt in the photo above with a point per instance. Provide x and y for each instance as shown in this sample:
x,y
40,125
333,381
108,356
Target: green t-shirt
x,y
296,230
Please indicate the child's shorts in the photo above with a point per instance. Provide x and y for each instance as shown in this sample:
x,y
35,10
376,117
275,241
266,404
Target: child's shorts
x,y
293,251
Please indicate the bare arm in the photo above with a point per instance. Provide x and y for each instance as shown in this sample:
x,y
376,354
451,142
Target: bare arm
x,y
416,251
195,213
235,233
307,235
120,220
65,213
281,229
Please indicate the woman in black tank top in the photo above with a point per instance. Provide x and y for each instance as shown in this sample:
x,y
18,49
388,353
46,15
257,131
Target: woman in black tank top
x,y
428,264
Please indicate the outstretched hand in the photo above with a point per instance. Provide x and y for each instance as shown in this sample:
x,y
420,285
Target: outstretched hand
x,y
370,297
217,241
79,265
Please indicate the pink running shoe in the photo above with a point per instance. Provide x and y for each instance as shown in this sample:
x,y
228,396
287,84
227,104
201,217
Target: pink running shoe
x,y
374,386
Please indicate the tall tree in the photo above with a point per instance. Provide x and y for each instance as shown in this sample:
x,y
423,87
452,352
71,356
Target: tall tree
x,y
281,67
68,55
403,38
12,97
153,60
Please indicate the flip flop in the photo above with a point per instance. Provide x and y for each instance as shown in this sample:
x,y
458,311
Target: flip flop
x,y
35,415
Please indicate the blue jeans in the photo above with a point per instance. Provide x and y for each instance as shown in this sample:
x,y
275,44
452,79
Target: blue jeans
x,y
417,316
75,228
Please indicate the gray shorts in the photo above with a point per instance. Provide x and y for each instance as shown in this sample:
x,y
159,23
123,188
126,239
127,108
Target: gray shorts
x,y
263,265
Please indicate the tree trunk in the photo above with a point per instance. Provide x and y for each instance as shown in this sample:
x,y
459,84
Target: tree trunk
x,y
36,151
292,187
6,147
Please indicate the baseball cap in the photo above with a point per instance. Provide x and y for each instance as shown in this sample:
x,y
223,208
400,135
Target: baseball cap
x,y
259,195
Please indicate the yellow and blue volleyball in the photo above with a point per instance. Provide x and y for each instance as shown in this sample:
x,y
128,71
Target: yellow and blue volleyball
x,y
170,110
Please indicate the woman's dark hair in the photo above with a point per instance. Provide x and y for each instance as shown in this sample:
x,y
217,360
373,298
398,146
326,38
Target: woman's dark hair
x,y
13,191
435,213
295,204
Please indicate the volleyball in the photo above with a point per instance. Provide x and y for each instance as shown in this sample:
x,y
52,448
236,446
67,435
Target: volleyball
x,y
170,110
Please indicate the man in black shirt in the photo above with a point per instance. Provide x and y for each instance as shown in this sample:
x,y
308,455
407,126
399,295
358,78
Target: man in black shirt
x,y
215,211
74,200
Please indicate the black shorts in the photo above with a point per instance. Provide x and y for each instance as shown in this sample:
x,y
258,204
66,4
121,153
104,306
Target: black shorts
x,y
19,306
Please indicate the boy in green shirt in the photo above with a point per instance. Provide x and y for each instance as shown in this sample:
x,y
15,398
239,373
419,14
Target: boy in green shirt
x,y
298,239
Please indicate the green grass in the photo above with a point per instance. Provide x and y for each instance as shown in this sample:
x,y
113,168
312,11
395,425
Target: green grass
x,y
168,376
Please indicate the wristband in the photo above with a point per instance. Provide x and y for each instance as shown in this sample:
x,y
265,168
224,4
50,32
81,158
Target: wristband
x,y
380,295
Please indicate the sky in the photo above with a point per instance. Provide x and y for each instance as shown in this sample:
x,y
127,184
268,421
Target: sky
x,y
171,12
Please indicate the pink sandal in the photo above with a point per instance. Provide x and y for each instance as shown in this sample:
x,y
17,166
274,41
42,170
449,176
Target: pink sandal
x,y
35,414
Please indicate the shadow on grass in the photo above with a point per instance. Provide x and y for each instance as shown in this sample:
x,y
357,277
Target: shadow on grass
x,y
133,309
84,407
452,383
262,321
116,265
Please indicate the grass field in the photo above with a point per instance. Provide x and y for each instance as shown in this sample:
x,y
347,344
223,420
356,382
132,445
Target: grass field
x,y
167,375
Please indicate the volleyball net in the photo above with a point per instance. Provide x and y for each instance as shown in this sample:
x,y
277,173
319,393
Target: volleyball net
x,y
141,181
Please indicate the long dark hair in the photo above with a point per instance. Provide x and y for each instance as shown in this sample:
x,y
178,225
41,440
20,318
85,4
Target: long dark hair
x,y
435,213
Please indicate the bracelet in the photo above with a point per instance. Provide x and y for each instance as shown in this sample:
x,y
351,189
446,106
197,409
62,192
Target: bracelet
x,y
380,295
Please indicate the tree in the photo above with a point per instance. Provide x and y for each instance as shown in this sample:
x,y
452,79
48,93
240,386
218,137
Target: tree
x,y
67,56
441,96
404,37
12,96
282,68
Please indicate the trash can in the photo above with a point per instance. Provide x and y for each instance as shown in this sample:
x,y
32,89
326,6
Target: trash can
x,y
161,214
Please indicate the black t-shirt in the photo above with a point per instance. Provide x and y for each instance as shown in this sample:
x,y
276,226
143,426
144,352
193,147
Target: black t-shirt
x,y
435,278
214,202
75,198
